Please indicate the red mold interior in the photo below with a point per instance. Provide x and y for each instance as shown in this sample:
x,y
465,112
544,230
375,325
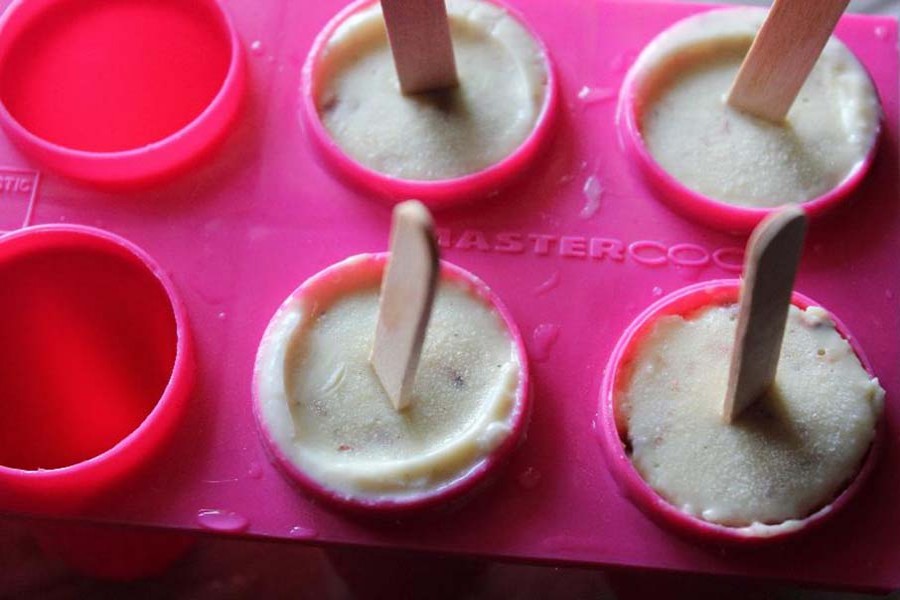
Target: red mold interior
x,y
112,75
87,347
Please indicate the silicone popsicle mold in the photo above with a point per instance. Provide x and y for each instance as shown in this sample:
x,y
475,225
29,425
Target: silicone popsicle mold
x,y
96,363
438,193
575,248
707,210
684,302
346,277
115,92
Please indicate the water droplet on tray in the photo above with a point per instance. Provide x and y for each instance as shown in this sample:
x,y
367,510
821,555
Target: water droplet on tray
x,y
226,521
256,47
657,291
255,471
543,338
620,62
881,32
589,95
593,191
302,533
222,316
529,478
548,285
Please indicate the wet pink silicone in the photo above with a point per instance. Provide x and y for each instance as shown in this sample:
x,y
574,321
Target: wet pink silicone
x,y
698,206
96,363
437,193
612,433
361,272
118,92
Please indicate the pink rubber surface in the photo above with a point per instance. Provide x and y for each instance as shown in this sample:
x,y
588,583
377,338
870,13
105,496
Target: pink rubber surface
x,y
364,271
262,214
612,430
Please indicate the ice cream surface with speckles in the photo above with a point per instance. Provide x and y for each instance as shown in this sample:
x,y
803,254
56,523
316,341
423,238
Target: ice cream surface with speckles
x,y
736,158
785,457
437,135
325,408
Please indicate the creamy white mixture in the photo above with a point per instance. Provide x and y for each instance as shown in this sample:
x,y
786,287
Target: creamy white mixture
x,y
785,457
736,158
325,408
438,135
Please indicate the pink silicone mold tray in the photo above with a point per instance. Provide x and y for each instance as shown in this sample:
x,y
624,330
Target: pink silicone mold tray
x,y
576,249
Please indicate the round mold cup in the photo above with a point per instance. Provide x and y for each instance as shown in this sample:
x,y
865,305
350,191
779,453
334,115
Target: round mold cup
x,y
439,193
118,93
612,435
695,205
350,275
96,364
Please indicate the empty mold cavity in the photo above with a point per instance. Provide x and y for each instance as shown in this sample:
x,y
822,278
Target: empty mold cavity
x,y
89,347
82,79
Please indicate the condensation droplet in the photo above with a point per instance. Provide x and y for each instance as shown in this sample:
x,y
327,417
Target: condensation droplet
x,y
593,191
255,471
589,95
529,478
620,62
226,521
543,338
547,285
302,533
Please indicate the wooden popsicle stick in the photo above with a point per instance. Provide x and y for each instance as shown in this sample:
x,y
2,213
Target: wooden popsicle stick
x,y
419,33
770,266
404,307
782,55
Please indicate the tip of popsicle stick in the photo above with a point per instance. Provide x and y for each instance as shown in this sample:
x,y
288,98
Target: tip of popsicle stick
x,y
407,296
782,55
770,268
414,212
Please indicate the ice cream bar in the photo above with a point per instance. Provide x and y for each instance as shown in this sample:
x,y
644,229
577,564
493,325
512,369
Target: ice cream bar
x,y
329,421
730,156
785,457
503,86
